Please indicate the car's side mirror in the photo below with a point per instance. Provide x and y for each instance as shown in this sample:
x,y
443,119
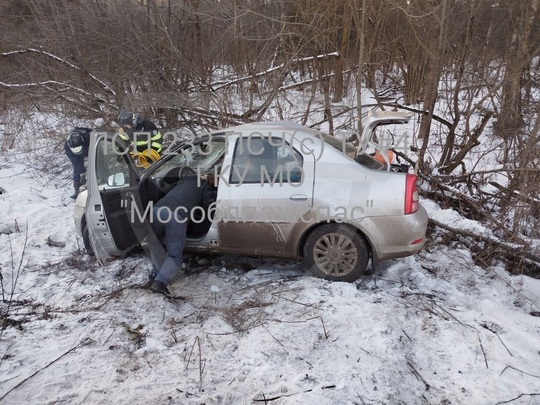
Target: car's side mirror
x,y
116,180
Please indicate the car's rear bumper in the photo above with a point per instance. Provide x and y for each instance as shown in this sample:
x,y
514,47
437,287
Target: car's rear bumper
x,y
396,236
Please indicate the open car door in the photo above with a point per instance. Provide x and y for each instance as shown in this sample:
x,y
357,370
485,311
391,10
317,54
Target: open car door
x,y
113,209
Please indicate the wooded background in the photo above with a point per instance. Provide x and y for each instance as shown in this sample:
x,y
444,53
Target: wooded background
x,y
187,63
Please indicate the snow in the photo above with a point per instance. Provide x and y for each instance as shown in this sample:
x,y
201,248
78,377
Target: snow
x,y
433,328
453,219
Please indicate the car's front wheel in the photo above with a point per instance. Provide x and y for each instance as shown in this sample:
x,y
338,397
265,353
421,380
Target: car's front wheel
x,y
86,239
336,252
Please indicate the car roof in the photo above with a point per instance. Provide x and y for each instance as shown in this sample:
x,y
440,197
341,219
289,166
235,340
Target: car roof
x,y
277,125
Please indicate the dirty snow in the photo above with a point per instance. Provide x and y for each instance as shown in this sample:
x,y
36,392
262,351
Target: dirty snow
x,y
433,328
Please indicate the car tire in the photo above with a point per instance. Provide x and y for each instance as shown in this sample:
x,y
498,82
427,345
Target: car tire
x,y
336,252
86,240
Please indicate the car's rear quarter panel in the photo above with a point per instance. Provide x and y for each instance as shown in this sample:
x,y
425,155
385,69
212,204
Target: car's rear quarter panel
x,y
373,201
341,181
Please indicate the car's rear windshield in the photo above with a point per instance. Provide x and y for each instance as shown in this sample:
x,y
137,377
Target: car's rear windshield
x,y
339,144
368,161
363,158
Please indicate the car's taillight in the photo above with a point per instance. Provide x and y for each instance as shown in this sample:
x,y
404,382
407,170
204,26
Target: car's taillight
x,y
411,194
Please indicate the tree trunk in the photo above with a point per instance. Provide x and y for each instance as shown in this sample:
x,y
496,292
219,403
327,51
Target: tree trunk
x,y
511,120
448,149
435,64
360,26
347,19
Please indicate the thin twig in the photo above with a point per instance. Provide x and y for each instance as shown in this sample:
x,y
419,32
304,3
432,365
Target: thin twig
x,y
281,344
417,374
534,394
201,364
296,302
496,334
452,316
265,400
72,349
189,394
483,352
189,356
14,279
485,326
408,337
2,284
513,368
361,399
299,321
324,329
235,331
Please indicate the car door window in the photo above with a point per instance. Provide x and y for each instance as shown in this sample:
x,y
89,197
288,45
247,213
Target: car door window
x,y
265,160
112,168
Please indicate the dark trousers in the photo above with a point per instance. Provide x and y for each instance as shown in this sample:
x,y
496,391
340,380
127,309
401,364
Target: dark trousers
x,y
174,235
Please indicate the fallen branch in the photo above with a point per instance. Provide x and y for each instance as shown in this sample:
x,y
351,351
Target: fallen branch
x,y
219,85
516,252
441,191
101,83
512,192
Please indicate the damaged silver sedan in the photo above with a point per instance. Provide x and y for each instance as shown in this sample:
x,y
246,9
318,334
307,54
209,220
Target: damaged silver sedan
x,y
284,190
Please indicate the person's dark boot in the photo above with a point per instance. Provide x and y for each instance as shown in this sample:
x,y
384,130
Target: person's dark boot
x,y
76,187
151,277
160,288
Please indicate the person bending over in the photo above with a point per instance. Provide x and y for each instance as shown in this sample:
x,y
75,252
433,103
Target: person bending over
x,y
76,149
170,218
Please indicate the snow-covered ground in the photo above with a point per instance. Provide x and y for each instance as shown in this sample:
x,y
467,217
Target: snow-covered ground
x,y
433,328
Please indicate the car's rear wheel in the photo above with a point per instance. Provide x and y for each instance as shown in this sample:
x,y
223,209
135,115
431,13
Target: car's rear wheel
x,y
336,252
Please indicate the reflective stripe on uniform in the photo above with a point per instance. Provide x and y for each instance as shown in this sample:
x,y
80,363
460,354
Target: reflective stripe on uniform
x,y
123,135
155,142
